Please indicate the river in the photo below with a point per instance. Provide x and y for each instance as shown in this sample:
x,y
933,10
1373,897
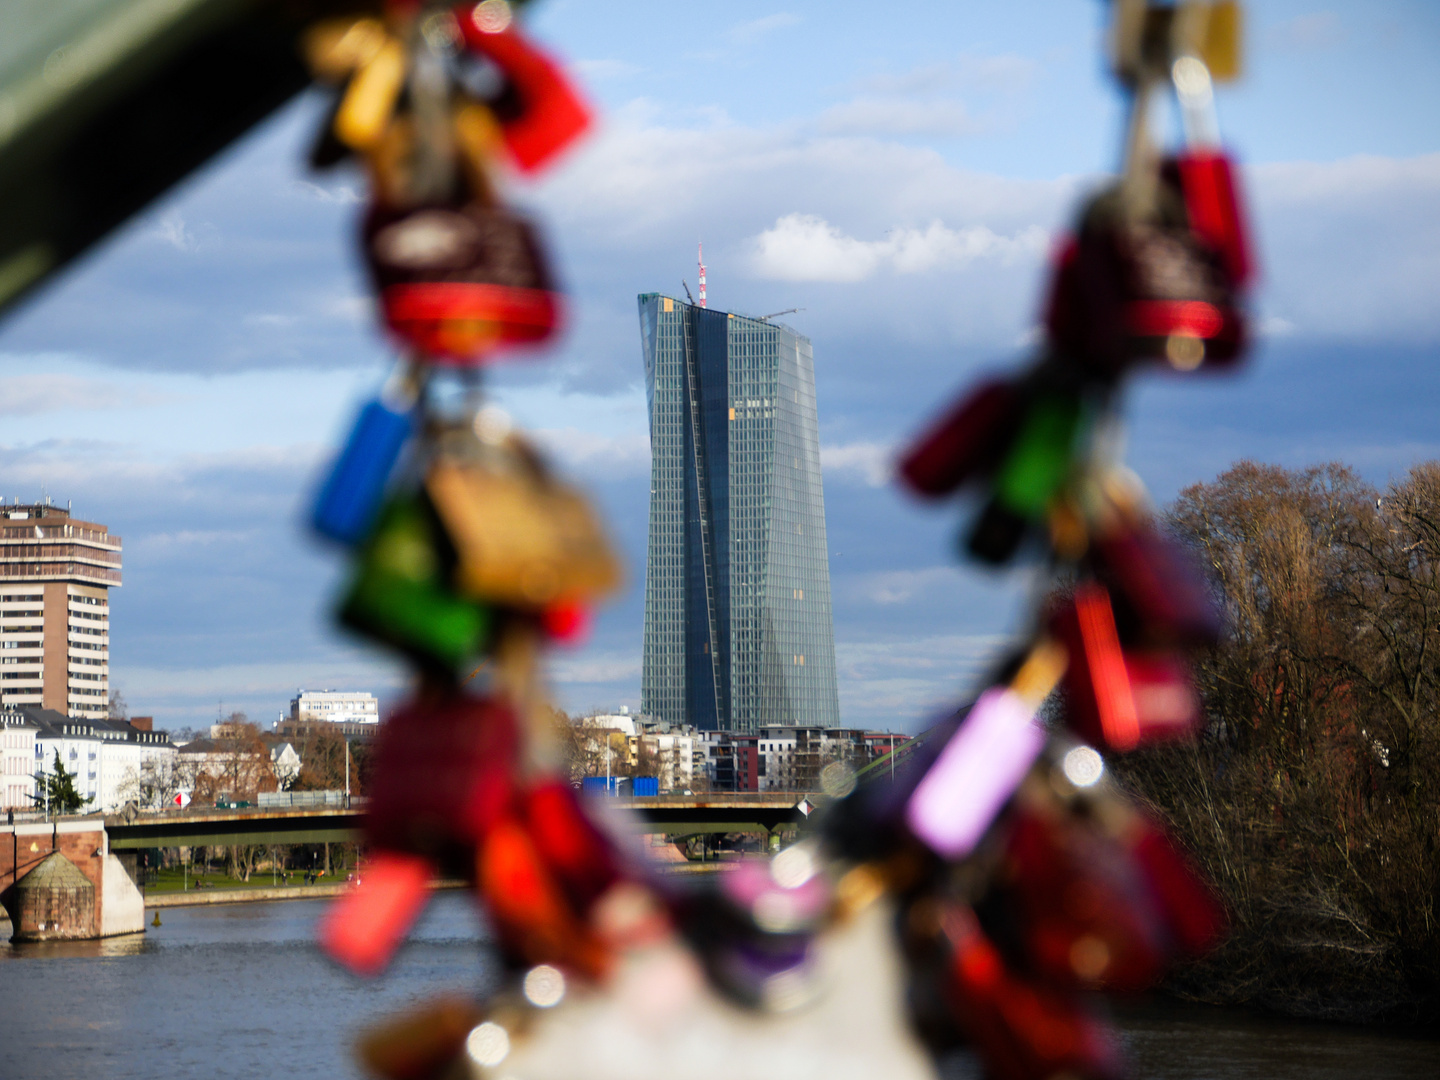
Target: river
x,y
240,991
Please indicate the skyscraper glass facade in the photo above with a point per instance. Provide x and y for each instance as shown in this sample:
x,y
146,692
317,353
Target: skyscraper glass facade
x,y
738,626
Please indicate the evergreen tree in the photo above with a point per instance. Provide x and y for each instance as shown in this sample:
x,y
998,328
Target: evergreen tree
x,y
60,790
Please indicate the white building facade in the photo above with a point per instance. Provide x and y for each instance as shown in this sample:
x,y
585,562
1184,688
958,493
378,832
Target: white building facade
x,y
106,757
17,761
336,706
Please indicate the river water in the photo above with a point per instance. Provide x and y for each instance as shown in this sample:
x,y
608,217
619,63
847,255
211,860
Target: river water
x,y
240,991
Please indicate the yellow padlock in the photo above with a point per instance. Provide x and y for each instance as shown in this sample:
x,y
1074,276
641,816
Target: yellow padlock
x,y
334,48
370,99
1220,47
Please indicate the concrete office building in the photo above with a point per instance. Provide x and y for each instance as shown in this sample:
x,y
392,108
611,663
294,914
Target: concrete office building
x,y
334,706
738,625
56,574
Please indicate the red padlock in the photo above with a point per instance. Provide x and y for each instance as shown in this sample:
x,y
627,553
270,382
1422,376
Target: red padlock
x,y
1161,595
540,112
460,281
444,774
1021,1030
535,921
1087,916
966,442
1167,288
366,925
1194,915
1212,203
578,854
1114,698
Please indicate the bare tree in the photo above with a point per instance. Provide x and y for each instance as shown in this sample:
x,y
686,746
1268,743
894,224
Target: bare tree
x,y
1313,798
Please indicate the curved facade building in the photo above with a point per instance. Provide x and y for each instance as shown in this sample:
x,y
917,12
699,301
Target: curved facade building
x,y
738,626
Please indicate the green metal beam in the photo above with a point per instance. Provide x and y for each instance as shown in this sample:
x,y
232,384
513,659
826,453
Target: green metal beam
x,y
207,830
106,104
695,828
338,826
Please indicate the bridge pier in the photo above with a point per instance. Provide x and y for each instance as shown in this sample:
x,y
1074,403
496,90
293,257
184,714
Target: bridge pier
x,y
91,894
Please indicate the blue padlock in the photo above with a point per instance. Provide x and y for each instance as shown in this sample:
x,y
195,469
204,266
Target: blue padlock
x,y
351,496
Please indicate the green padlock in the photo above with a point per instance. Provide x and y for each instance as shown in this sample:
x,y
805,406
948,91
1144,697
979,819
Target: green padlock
x,y
1034,468
1040,458
401,593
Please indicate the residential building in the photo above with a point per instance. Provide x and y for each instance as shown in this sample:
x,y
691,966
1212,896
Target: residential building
x,y
284,759
56,573
17,760
334,706
738,624
236,762
674,754
775,769
791,757
639,745
732,760
107,757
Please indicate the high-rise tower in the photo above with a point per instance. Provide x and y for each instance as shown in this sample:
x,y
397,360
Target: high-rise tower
x,y
55,579
738,626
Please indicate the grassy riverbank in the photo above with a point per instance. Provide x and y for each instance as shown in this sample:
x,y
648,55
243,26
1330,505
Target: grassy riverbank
x,y
179,880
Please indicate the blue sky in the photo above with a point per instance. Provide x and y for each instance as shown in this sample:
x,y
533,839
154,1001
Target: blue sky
x,y
900,175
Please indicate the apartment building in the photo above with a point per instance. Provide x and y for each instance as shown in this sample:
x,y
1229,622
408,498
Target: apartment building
x,y
790,758
56,573
107,757
17,760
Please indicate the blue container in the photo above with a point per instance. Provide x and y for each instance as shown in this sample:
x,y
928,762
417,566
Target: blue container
x,y
351,497
646,785
598,785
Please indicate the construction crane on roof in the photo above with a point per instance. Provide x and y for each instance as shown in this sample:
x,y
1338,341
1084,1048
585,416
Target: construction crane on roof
x,y
777,314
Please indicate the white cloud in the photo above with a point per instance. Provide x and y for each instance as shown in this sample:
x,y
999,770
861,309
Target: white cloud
x,y
907,684
870,462
750,31
1351,248
641,180
804,247
188,694
1004,72
620,454
341,194
887,587
597,70
899,116
594,666
1306,33
271,319
29,395
171,229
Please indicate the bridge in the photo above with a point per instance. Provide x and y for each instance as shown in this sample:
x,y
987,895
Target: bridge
x,y
91,891
684,815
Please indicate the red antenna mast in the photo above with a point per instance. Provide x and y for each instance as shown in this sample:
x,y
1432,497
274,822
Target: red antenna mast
x,y
701,258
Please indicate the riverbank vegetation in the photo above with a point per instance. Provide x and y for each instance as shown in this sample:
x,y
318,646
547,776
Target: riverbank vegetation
x,y
1313,798
247,866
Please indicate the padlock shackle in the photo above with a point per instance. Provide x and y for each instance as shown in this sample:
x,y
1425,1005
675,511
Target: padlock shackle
x,y
1195,96
1152,44
1190,80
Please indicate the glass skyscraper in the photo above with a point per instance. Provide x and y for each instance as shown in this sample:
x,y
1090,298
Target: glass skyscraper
x,y
738,627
